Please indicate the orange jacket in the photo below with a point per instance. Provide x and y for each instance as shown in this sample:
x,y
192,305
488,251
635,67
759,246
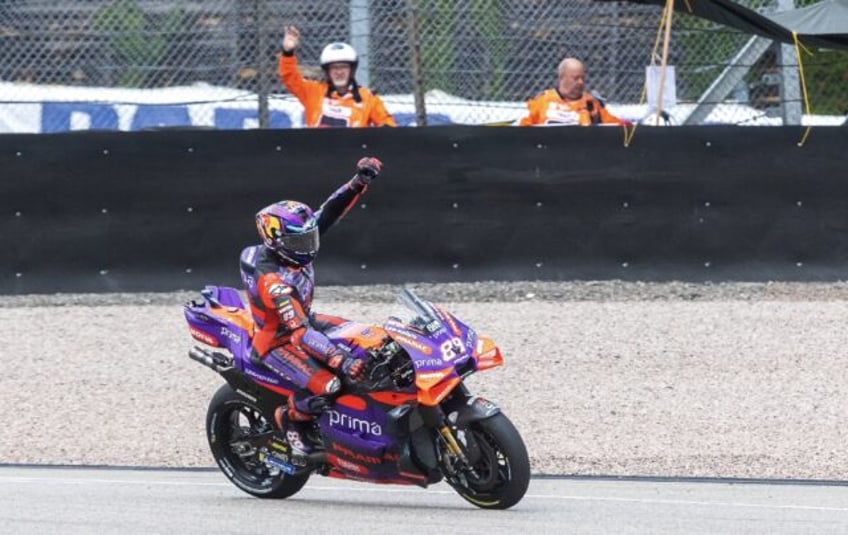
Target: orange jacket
x,y
323,109
548,108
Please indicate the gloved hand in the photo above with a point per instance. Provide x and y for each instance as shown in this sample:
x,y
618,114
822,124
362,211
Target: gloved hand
x,y
354,368
346,364
368,168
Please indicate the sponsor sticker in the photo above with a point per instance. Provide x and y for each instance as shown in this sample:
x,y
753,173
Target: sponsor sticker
x,y
356,456
230,334
347,465
428,363
451,323
412,342
279,290
352,423
204,337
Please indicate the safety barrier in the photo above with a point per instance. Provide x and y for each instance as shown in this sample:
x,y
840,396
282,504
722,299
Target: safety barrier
x,y
165,210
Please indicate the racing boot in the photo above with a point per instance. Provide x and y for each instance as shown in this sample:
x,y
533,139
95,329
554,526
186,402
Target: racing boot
x,y
297,418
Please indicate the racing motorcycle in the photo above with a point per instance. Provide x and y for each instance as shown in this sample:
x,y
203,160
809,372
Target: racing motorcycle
x,y
411,421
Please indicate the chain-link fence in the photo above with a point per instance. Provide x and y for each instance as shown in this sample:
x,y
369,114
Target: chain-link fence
x,y
135,64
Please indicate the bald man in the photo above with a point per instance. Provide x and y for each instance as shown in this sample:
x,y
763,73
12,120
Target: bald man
x,y
568,103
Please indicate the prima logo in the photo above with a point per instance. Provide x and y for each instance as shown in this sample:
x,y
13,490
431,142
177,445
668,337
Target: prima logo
x,y
428,363
351,423
230,334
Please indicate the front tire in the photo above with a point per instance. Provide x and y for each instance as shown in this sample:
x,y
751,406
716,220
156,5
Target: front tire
x,y
234,427
500,474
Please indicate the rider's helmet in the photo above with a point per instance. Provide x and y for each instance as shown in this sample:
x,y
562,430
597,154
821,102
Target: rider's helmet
x,y
290,229
339,53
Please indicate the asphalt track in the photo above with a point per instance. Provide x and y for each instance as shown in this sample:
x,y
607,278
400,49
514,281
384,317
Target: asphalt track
x,y
36,500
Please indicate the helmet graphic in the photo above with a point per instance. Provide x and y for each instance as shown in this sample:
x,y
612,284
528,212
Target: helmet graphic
x,y
289,228
339,53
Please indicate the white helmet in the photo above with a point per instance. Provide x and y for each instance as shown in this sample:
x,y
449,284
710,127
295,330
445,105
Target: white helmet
x,y
338,53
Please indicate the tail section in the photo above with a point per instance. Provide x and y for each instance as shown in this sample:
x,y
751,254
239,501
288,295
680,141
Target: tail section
x,y
220,320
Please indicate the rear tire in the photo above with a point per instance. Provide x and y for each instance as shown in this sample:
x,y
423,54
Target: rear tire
x,y
233,426
502,471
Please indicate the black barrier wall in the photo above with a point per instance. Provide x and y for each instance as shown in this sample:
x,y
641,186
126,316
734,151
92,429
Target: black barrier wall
x,y
172,209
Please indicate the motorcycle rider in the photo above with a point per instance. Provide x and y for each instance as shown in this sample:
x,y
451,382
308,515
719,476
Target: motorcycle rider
x,y
279,278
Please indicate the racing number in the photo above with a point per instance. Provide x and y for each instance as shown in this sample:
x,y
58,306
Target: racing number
x,y
451,349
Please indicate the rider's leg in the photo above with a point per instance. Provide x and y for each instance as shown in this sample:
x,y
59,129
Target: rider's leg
x,y
314,381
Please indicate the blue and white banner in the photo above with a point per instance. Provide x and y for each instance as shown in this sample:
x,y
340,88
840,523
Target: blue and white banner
x,y
26,108
50,109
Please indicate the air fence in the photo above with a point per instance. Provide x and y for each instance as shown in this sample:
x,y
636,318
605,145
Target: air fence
x,y
140,64
172,209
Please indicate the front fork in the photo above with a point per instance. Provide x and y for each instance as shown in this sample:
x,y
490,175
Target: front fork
x,y
452,445
457,412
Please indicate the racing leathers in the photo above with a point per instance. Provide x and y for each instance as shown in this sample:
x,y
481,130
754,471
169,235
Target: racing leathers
x,y
289,338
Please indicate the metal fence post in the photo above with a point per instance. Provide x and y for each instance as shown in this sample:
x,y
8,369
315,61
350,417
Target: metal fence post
x,y
262,51
417,70
360,30
790,88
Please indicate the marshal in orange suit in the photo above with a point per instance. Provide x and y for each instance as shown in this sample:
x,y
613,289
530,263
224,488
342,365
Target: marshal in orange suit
x,y
568,103
338,101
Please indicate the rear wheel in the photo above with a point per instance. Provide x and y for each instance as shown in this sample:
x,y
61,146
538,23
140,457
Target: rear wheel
x,y
237,429
500,468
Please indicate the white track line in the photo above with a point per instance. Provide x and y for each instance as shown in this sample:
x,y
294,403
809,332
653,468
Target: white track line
x,y
82,481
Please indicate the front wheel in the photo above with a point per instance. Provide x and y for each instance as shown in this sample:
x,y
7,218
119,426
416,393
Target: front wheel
x,y
500,469
237,430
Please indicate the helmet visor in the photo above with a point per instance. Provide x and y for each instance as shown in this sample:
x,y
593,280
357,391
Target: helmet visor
x,y
302,242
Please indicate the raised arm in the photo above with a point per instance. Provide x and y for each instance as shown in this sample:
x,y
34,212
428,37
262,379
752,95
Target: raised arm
x,y
289,73
342,200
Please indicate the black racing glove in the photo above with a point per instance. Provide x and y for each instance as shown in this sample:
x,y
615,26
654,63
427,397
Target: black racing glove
x,y
367,169
348,365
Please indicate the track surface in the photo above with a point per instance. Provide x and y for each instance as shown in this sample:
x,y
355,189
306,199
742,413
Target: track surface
x,y
104,501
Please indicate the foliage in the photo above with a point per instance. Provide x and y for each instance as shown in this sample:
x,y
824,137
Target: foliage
x,y
706,48
826,72
458,37
138,44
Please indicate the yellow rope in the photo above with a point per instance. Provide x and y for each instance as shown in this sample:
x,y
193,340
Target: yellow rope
x,y
629,132
798,47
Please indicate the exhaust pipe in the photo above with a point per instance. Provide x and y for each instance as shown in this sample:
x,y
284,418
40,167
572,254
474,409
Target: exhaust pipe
x,y
215,361
305,464
318,457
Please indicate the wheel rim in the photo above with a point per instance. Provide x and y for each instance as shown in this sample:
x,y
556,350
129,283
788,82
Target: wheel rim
x,y
491,473
241,430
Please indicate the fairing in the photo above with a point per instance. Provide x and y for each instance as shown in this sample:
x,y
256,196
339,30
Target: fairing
x,y
363,436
